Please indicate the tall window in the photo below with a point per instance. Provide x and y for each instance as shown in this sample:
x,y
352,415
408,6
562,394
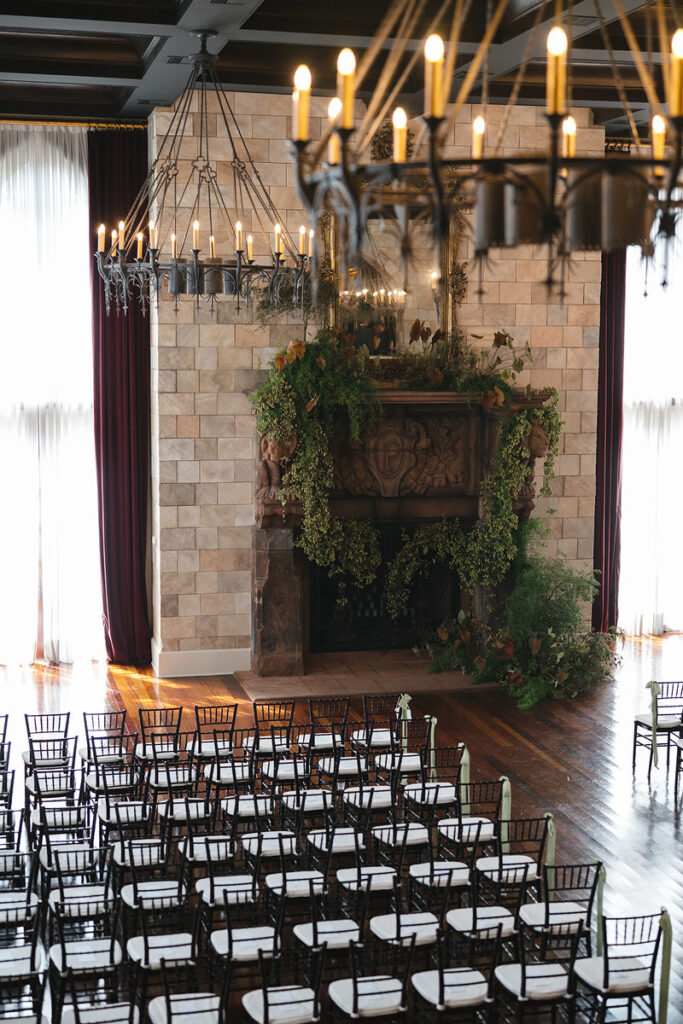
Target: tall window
x,y
50,598
651,582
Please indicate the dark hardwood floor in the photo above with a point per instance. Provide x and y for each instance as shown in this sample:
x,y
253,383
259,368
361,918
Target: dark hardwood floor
x,y
572,758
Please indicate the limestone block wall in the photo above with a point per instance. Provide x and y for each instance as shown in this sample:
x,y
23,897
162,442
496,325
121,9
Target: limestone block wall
x,y
205,363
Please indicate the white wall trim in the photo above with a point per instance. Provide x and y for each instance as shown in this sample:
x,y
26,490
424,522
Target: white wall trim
x,y
171,664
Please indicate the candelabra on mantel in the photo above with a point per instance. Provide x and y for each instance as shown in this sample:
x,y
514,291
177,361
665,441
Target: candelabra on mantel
x,y
569,202
158,242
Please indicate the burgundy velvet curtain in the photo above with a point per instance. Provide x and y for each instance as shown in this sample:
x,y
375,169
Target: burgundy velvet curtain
x,y
607,543
117,165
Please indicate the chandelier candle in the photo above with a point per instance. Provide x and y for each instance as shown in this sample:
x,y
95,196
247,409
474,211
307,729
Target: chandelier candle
x,y
212,247
101,231
195,235
346,85
122,235
400,122
434,56
556,72
250,248
478,131
152,235
302,241
301,102
311,234
333,112
568,137
174,247
676,97
114,236
139,252
239,237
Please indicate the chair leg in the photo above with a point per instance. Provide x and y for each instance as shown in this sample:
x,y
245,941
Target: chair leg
x,y
652,754
635,738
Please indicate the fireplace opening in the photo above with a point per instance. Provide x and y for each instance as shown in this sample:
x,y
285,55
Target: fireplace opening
x,y
364,624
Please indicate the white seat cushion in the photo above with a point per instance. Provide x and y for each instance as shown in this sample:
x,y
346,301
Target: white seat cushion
x,y
321,741
55,783
268,843
490,866
101,1013
174,776
430,793
391,762
462,987
441,873
564,913
246,942
336,934
347,766
87,955
228,774
382,797
247,806
283,770
197,850
98,898
49,863
288,1004
295,884
206,747
626,974
164,892
308,801
265,744
143,752
135,811
145,852
17,905
115,781
543,981
423,926
15,961
343,840
176,946
390,835
240,889
380,737
194,1007
450,828
461,920
378,996
194,810
379,877
663,721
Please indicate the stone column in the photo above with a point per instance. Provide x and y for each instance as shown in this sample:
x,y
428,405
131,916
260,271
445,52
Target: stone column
x,y
279,604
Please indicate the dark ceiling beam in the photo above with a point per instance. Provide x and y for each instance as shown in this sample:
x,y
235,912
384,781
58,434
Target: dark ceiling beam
x,y
248,35
71,78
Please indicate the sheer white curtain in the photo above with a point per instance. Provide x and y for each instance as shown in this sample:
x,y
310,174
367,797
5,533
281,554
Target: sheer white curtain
x,y
48,514
651,579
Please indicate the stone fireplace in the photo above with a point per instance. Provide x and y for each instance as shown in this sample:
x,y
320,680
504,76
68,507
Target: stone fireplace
x,y
423,459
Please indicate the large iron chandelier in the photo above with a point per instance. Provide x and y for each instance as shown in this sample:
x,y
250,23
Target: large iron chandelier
x,y
194,233
569,202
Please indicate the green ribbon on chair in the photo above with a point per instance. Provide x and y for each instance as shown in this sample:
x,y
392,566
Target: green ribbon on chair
x,y
655,690
432,761
601,892
403,713
665,926
464,777
505,812
550,845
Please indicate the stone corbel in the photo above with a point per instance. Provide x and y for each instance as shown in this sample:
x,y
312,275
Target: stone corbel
x,y
275,506
537,443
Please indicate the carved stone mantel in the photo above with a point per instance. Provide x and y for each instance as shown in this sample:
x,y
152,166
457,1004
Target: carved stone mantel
x,y
424,458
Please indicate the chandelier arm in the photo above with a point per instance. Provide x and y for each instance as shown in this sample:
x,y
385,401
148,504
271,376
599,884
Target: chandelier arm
x,y
398,85
664,46
383,32
179,122
460,13
486,69
398,48
221,207
644,75
618,80
473,69
519,78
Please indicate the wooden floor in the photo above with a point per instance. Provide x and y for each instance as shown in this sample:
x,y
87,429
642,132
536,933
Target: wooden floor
x,y
569,757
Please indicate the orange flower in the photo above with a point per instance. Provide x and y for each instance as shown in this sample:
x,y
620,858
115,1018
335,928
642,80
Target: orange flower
x,y
312,403
295,350
280,361
442,634
435,376
321,362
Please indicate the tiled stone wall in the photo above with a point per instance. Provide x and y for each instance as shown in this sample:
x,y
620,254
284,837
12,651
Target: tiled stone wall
x,y
204,364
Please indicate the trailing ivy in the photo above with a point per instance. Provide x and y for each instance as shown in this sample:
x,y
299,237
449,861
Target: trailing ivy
x,y
482,555
314,390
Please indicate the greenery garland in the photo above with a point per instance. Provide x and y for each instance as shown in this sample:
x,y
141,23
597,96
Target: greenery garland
x,y
483,555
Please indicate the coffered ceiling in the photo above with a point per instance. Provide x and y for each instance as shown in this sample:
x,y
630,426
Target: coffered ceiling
x,y
106,60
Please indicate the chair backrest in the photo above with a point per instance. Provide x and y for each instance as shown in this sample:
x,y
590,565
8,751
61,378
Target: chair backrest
x,y
480,798
380,705
6,787
65,823
505,886
3,727
89,994
5,748
557,946
326,712
633,943
55,750
574,883
48,725
179,978
413,733
295,998
478,950
525,837
11,826
18,870
267,713
215,716
166,719
104,723
670,699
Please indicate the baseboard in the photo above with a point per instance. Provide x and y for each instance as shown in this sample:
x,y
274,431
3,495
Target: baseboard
x,y
171,664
